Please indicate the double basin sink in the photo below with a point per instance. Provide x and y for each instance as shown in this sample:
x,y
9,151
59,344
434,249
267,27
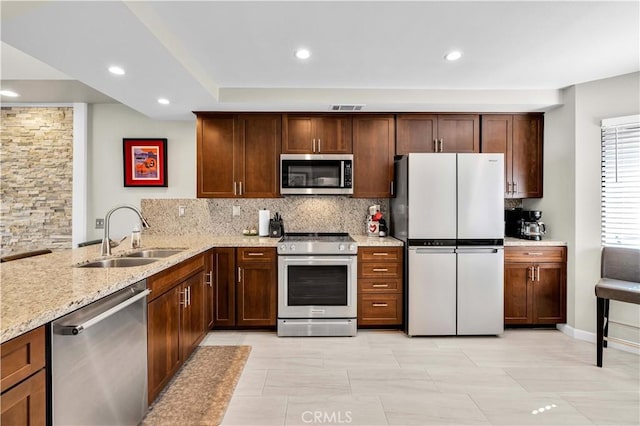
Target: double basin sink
x,y
136,258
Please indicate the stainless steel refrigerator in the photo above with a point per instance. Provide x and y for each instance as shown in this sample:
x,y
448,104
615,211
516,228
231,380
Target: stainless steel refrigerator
x,y
449,211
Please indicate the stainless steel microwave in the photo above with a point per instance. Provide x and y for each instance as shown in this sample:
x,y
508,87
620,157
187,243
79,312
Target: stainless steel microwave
x,y
316,174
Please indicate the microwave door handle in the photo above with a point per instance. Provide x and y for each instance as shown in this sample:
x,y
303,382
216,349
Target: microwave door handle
x,y
341,174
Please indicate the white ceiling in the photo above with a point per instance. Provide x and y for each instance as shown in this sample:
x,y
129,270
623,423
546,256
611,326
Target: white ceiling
x,y
388,55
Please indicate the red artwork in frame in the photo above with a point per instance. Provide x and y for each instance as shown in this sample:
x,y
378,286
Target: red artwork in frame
x,y
145,161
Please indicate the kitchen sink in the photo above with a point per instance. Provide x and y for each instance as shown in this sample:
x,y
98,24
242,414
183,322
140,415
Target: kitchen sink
x,y
118,262
155,253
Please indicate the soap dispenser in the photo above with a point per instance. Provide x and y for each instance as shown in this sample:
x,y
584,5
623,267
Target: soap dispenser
x,y
136,241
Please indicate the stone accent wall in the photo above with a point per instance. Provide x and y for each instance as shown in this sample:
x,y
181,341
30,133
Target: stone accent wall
x,y
36,175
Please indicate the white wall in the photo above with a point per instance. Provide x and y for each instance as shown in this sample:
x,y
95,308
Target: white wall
x,y
576,217
108,125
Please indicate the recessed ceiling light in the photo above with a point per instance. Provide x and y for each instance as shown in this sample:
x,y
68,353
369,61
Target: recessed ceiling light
x,y
303,54
9,93
163,101
453,55
116,70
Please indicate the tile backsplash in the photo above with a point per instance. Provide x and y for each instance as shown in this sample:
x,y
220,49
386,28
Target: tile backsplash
x,y
300,214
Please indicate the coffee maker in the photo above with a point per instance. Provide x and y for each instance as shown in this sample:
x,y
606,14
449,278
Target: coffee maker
x,y
525,224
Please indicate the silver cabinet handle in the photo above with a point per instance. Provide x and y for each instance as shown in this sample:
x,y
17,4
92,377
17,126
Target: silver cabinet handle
x,y
209,278
188,296
240,191
530,273
508,187
380,285
183,295
255,254
441,142
534,253
515,187
392,188
435,145
319,145
380,305
380,270
380,254
313,145
538,273
239,274
234,188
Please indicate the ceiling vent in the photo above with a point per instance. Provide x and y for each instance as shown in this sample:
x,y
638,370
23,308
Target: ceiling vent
x,y
346,107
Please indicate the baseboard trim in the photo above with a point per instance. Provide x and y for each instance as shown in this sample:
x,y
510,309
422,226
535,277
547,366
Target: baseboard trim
x,y
591,337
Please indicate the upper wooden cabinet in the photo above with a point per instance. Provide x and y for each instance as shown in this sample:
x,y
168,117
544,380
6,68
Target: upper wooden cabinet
x,y
238,155
519,137
373,151
437,133
316,134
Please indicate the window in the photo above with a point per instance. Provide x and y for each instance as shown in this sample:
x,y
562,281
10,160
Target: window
x,y
621,182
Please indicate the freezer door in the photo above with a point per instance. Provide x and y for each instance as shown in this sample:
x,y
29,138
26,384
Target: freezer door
x,y
432,195
480,291
432,292
480,196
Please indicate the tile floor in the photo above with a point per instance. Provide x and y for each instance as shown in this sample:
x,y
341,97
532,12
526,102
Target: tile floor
x,y
524,377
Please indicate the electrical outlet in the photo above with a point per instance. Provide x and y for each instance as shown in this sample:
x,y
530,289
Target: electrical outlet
x,y
236,210
181,210
100,223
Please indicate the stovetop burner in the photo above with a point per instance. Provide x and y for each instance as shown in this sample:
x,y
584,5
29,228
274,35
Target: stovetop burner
x,y
298,243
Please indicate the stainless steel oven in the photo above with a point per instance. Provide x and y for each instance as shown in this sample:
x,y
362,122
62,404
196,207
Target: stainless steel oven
x,y
317,285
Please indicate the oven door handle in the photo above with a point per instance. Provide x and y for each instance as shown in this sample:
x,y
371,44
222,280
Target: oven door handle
x,y
319,259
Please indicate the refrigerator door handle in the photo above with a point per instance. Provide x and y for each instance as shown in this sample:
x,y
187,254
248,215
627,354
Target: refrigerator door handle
x,y
426,250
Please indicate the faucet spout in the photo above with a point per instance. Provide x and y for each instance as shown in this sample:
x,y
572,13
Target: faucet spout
x,y
105,249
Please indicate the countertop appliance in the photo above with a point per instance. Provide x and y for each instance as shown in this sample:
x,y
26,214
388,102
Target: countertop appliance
x,y
99,361
449,212
316,174
525,224
317,285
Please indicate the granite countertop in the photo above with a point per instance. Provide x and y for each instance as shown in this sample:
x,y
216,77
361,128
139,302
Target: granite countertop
x,y
516,242
39,289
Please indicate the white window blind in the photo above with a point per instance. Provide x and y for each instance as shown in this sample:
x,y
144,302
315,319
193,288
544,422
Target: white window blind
x,y
621,182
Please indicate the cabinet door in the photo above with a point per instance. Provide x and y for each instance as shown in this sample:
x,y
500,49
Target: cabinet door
x,y
527,156
373,151
209,289
297,135
549,293
25,403
224,281
517,298
259,147
163,341
192,315
459,133
256,294
333,135
497,136
216,157
416,133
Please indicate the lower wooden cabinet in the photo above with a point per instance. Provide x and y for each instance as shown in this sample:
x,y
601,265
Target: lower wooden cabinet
x,y
176,320
535,285
380,286
23,370
245,282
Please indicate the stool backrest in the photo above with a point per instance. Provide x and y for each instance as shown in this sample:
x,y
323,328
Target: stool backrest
x,y
621,263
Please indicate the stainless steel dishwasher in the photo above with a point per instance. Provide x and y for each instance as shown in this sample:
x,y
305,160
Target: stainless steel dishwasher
x,y
99,361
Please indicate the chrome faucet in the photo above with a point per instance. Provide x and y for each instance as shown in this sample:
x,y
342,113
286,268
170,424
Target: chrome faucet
x,y
107,244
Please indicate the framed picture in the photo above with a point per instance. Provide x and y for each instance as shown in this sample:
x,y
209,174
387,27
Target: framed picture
x,y
145,162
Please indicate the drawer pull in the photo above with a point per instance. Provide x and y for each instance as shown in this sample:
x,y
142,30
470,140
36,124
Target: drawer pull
x,y
534,253
255,254
380,305
381,254
380,285
380,270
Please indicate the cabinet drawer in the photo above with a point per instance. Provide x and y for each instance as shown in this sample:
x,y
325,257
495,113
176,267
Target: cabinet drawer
x,y
379,309
535,254
256,254
21,357
379,254
379,270
167,279
379,286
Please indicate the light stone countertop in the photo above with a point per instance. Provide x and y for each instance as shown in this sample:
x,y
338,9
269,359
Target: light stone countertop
x,y
516,242
37,290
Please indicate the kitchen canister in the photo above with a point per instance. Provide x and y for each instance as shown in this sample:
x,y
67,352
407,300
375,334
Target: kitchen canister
x,y
263,222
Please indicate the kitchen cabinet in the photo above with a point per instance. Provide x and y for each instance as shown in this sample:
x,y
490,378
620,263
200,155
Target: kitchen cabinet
x,y
316,134
380,286
176,320
535,280
437,133
23,384
246,287
520,138
238,155
373,152
209,290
